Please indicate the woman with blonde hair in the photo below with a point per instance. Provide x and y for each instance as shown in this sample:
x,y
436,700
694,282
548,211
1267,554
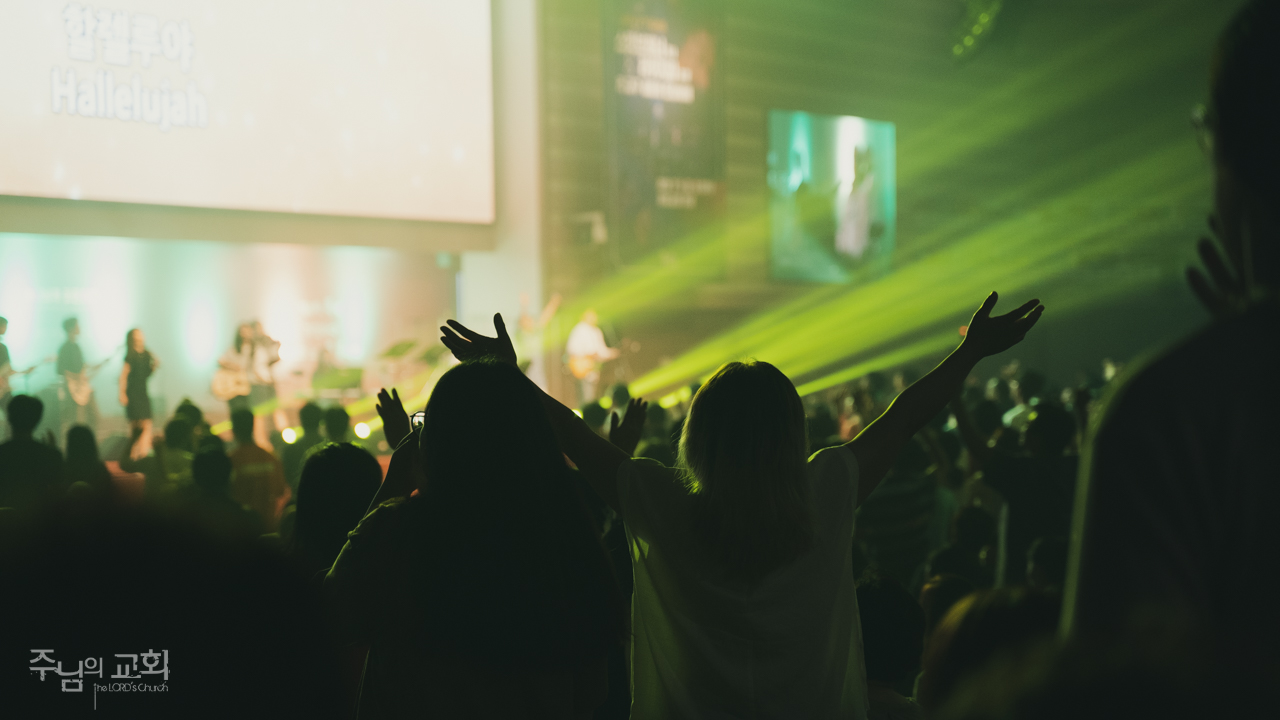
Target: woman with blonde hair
x,y
744,600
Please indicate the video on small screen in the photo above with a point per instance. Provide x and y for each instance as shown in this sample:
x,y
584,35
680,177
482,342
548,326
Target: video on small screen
x,y
833,206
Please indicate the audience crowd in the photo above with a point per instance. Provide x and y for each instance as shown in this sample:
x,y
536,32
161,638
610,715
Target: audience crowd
x,y
910,545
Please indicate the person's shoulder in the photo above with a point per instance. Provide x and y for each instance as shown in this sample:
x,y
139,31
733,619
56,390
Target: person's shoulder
x,y
1206,362
651,470
382,521
838,458
648,478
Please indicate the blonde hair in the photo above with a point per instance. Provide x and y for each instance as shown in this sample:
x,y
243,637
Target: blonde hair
x,y
743,450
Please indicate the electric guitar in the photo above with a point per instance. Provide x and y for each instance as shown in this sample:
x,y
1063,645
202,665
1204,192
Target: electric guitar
x,y
80,385
6,372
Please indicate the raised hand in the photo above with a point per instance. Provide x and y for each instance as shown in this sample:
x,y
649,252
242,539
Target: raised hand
x,y
404,473
625,435
989,335
466,344
1222,292
395,421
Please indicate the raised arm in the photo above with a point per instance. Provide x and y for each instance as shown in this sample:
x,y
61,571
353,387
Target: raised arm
x,y
597,459
878,446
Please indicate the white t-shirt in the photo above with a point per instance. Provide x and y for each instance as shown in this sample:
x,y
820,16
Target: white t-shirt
x,y
703,647
586,340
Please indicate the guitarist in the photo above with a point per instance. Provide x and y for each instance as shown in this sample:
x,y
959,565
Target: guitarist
x,y
237,361
587,351
71,369
6,392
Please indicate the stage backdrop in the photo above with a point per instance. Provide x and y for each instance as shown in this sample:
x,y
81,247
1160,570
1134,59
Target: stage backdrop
x,y
382,108
351,305
665,121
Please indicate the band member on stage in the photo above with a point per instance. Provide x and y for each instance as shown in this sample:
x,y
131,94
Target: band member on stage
x,y
254,353
238,359
6,372
587,350
79,406
139,363
266,353
6,392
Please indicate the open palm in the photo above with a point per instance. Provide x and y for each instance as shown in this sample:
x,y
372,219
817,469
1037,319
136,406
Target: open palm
x,y
466,344
989,335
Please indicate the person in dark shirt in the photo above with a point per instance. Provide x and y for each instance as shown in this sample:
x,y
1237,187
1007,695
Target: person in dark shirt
x,y
1176,514
208,498
337,424
294,455
71,368
5,393
138,366
84,465
29,470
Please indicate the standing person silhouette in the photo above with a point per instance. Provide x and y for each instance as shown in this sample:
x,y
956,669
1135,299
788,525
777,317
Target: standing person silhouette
x,y
744,602
486,594
139,363
74,374
1175,511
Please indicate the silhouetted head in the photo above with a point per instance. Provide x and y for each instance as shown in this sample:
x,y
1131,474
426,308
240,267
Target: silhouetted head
x,y
178,434
594,414
310,416
998,392
892,632
743,449
822,424
211,442
1049,431
211,470
981,627
491,495
25,412
338,482
1243,111
458,440
242,426
656,421
189,411
988,418
1031,386
82,446
337,423
4,325
71,326
620,396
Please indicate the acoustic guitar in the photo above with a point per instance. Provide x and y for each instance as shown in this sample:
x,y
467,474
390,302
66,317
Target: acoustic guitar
x,y
80,385
229,384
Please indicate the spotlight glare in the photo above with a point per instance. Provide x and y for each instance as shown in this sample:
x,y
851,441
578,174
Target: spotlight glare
x,y
290,435
362,430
